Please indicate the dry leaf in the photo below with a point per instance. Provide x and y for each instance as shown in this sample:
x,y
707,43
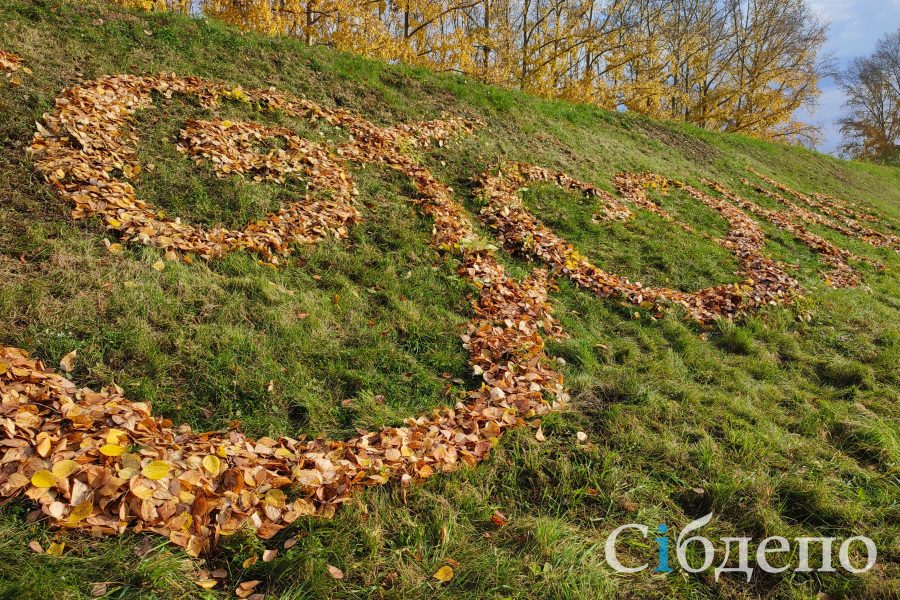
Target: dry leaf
x,y
444,574
99,589
335,572
64,468
43,479
157,469
56,548
67,363
80,512
112,450
212,464
159,265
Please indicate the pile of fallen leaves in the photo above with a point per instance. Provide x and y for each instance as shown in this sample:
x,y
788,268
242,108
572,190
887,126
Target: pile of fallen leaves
x,y
611,208
840,217
9,62
764,280
841,274
95,460
233,148
87,150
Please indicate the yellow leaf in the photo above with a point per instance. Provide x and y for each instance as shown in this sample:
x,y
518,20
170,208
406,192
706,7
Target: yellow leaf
x,y
114,223
142,492
113,436
156,470
276,498
159,265
80,512
56,548
64,468
43,479
112,450
212,464
207,584
115,249
3,367
444,574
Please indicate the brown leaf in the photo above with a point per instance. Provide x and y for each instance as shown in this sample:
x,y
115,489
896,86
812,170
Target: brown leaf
x,y
335,572
67,362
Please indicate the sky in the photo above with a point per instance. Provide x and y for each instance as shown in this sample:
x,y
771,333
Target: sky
x,y
855,27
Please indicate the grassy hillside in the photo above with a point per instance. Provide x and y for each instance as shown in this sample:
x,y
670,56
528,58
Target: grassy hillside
x,y
779,425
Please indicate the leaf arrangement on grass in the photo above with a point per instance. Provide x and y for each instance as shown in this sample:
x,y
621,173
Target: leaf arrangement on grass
x,y
764,281
97,461
835,209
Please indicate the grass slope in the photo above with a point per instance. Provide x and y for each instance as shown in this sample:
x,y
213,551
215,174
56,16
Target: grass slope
x,y
779,427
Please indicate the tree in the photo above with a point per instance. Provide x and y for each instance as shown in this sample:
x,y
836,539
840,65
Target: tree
x,y
871,128
731,65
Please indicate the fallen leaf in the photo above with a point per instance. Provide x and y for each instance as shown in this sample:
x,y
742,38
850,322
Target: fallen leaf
x,y
112,450
581,436
335,572
67,363
269,555
64,468
56,548
444,574
80,512
43,479
99,589
212,464
156,470
159,265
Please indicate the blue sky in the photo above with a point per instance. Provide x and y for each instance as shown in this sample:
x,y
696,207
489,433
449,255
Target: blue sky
x,y
855,27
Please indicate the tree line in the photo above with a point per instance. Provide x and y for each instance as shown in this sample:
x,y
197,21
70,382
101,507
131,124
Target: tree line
x,y
731,65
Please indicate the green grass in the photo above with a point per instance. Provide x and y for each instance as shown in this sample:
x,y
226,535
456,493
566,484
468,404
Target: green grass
x,y
778,426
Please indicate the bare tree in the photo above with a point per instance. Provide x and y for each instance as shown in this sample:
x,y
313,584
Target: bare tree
x,y
871,128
